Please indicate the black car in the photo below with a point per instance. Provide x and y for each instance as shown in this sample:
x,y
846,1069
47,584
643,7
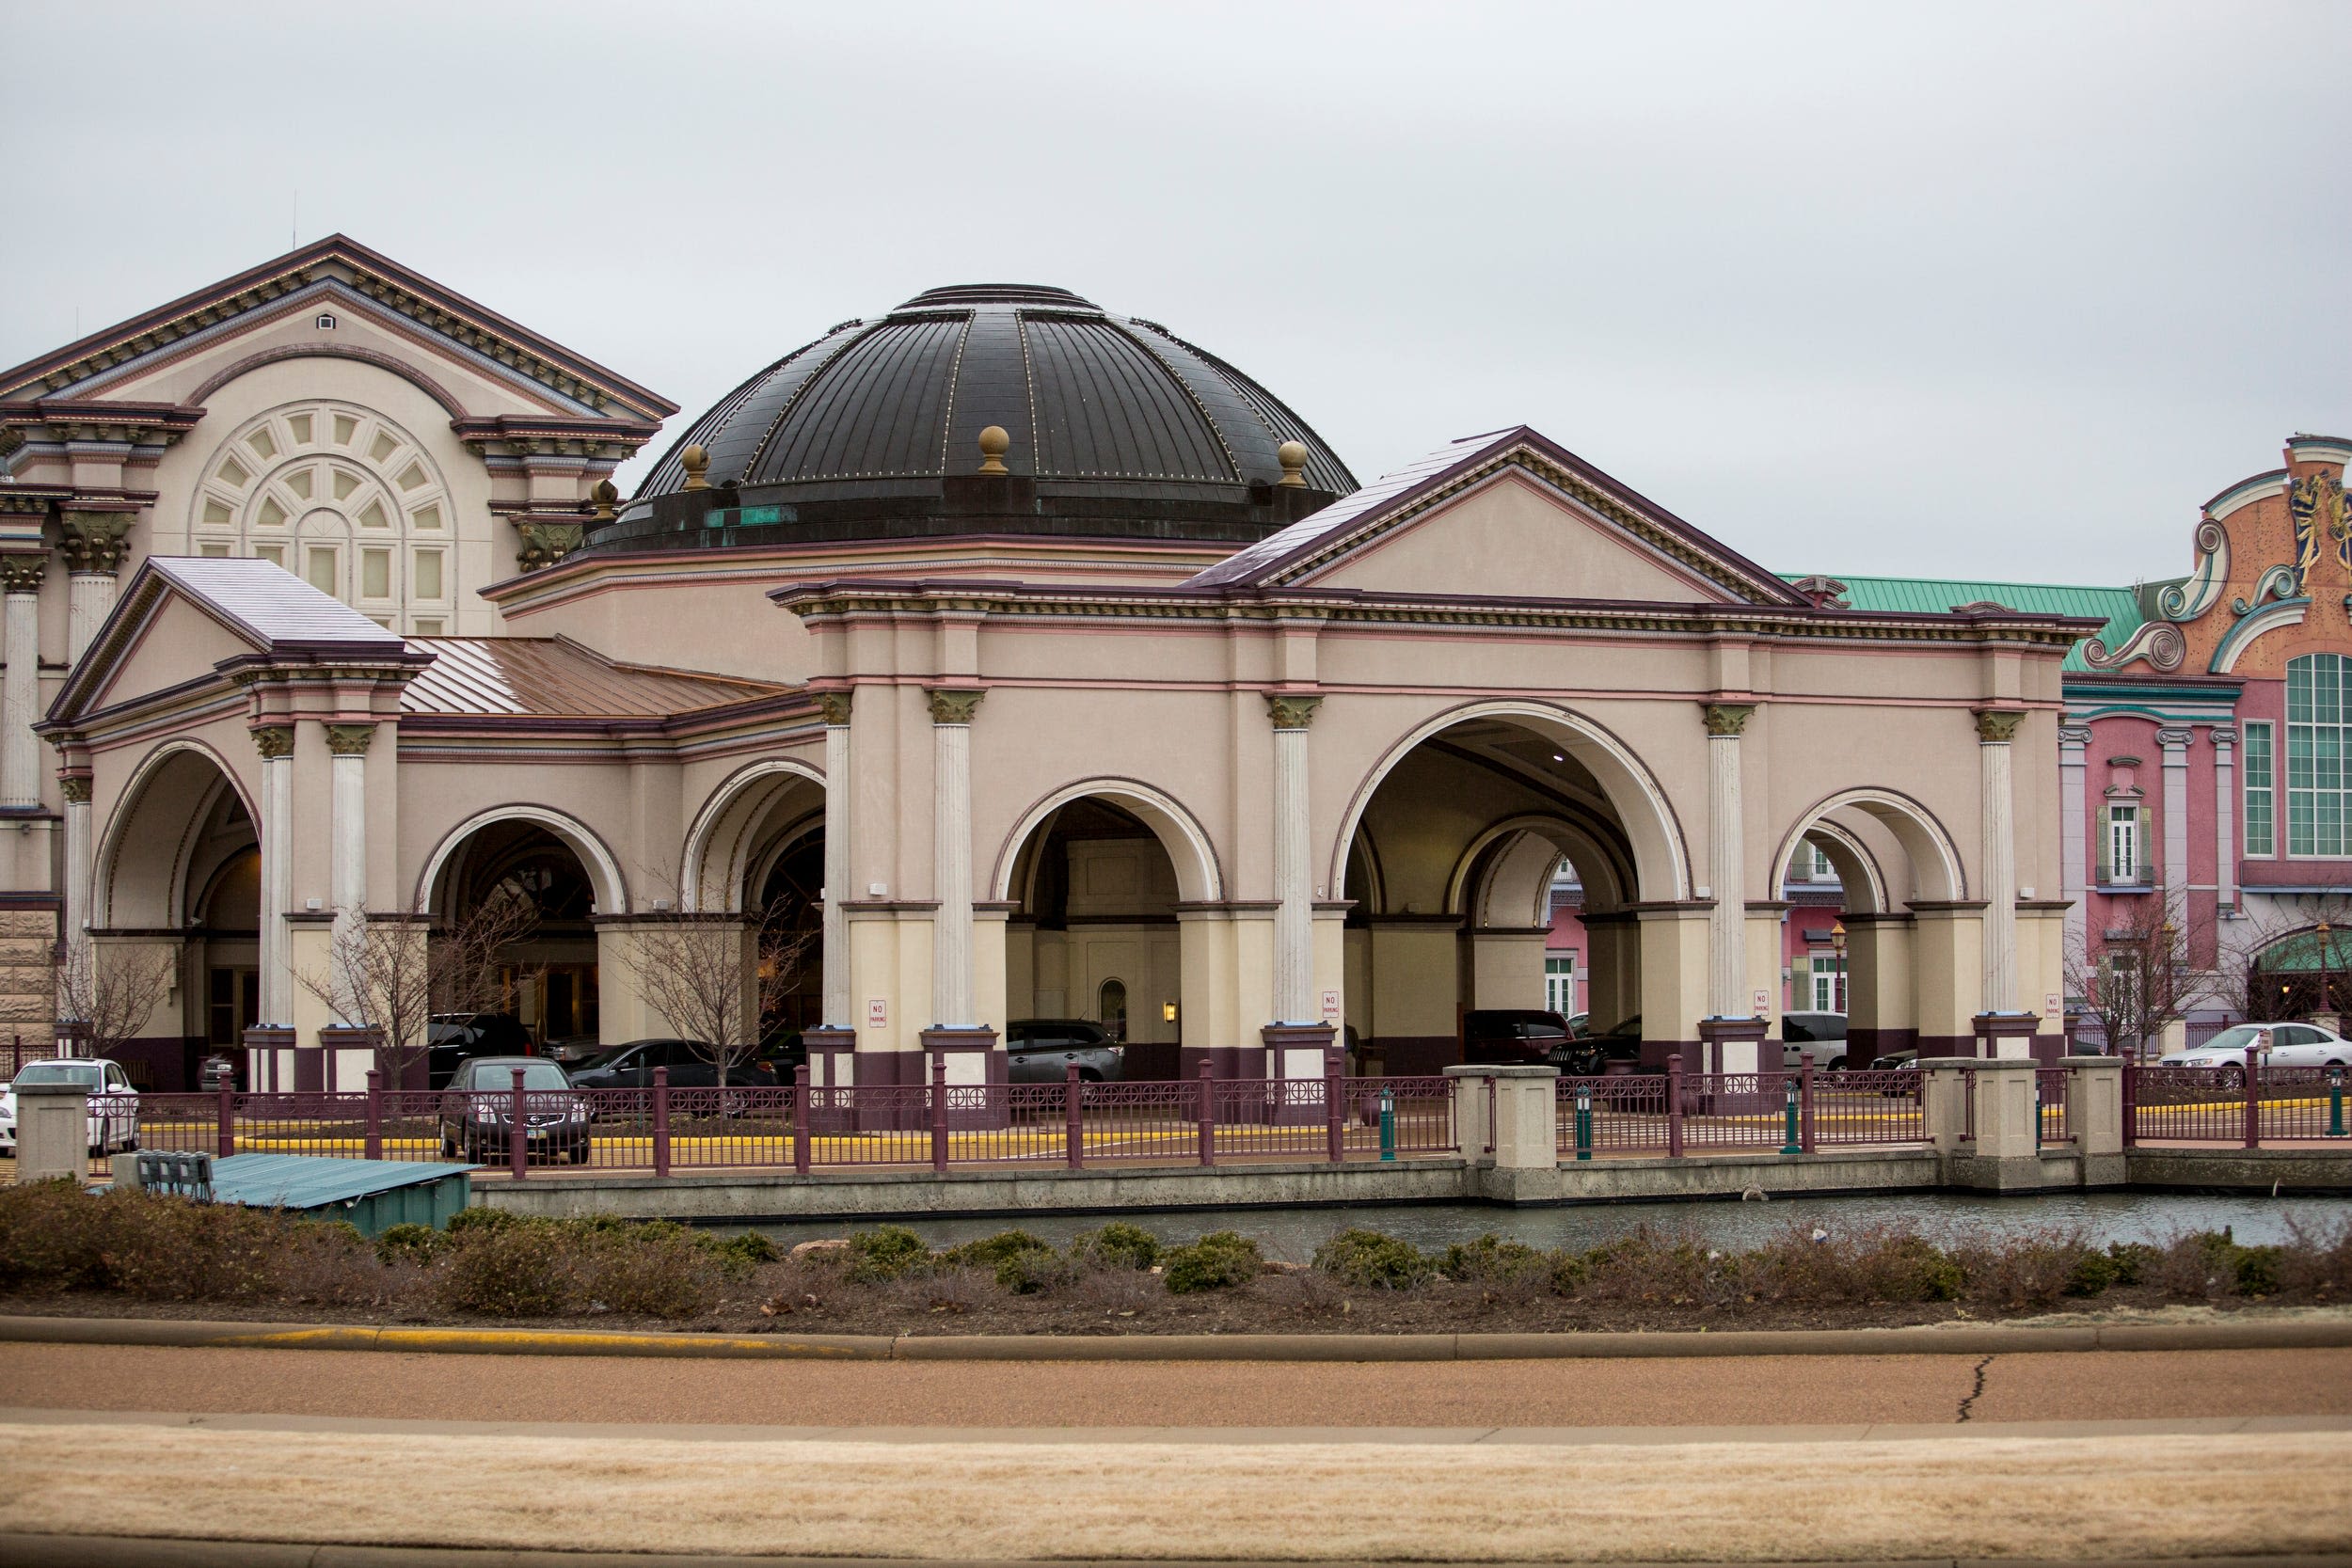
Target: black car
x,y
477,1111
1043,1050
630,1067
1526,1037
451,1039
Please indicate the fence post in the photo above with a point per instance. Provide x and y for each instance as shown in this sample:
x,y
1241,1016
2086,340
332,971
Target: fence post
x,y
939,1111
1208,1116
517,1131
2131,1097
2335,1103
799,1120
1790,1138
1805,1141
1073,1126
227,1126
2254,1092
1334,1114
1674,1106
373,1147
1583,1120
662,1121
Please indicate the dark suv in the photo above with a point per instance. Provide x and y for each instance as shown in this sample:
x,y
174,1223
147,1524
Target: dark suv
x,y
1043,1050
630,1067
1525,1036
453,1038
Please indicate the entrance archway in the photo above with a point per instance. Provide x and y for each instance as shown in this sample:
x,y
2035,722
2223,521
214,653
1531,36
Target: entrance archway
x,y
549,978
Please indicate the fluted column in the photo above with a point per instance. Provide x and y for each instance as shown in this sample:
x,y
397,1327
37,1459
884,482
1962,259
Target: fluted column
x,y
93,544
1995,729
75,788
2225,816
347,860
954,1005
276,1003
20,692
2175,744
1294,888
2073,832
835,959
1726,924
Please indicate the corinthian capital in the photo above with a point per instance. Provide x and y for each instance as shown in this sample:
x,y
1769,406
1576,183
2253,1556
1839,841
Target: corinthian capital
x,y
94,541
834,706
274,742
954,706
1290,710
349,740
21,573
1997,726
1728,718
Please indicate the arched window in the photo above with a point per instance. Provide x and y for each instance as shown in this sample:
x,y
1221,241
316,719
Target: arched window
x,y
2319,728
1111,1009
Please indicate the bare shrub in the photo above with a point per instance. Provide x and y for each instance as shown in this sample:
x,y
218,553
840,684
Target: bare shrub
x,y
952,1289
1115,1289
2318,1256
2031,1270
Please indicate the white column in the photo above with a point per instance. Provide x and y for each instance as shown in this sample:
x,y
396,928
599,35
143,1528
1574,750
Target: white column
x,y
90,600
954,1003
20,692
2175,746
93,550
1726,924
1294,887
276,1003
75,788
347,861
1995,728
2225,816
837,1012
2074,832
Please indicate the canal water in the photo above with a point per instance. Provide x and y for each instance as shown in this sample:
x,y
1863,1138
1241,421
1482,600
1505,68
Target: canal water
x,y
1293,1234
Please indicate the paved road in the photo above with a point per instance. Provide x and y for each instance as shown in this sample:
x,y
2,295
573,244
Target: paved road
x,y
1716,1391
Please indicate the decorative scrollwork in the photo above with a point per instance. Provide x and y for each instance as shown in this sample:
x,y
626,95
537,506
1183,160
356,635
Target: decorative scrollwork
x,y
2159,642
2277,583
2185,601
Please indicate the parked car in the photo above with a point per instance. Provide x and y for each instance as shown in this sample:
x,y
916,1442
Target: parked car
x,y
1043,1050
1895,1060
453,1038
572,1049
2290,1045
479,1101
1526,1037
630,1067
114,1104
1822,1033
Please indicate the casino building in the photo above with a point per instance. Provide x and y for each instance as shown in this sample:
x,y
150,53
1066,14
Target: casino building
x,y
1056,665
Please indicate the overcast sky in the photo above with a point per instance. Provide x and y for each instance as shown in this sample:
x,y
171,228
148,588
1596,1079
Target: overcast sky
x,y
1977,289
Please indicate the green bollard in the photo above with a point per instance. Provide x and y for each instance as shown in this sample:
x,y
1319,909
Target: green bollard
x,y
1584,1122
2335,1103
1788,1142
1388,1123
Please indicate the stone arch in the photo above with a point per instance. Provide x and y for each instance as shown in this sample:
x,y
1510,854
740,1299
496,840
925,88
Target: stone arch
x,y
1858,870
1501,869
1200,879
1936,870
400,367
724,839
1660,860
604,871
143,862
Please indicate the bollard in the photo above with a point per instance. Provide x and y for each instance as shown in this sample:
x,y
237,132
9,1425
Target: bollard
x,y
1790,1143
1674,1106
939,1111
2335,1103
1583,1122
662,1121
518,1132
1388,1123
1334,1113
799,1120
1805,1137
2254,1094
1208,1118
1074,1127
373,1147
227,1126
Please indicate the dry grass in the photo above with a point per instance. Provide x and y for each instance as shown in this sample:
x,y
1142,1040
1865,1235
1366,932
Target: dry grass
x,y
2078,1498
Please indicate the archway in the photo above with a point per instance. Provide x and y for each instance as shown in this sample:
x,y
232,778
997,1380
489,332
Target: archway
x,y
549,980
1452,850
757,847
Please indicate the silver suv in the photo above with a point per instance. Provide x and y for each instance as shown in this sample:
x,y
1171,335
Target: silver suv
x,y
1042,1050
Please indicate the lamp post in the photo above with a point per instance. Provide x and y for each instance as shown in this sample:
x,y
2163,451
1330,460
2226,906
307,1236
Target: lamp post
x,y
2323,968
1837,951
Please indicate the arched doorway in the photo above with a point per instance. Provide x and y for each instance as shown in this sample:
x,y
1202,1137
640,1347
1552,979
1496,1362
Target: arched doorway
x,y
757,847
547,978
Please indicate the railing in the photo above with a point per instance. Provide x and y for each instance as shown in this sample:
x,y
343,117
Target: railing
x,y
2241,1105
1677,1112
2052,1093
942,1125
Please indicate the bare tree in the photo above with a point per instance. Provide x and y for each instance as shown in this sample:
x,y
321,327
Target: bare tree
x,y
2264,995
391,972
2134,977
111,992
719,978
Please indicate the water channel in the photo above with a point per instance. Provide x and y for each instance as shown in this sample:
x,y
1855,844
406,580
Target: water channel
x,y
1294,1233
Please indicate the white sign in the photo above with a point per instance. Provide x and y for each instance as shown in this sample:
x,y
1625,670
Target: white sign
x,y
1330,1007
1763,1002
877,1012
2052,1004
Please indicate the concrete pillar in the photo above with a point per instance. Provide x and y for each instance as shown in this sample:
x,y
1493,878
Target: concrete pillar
x,y
2073,830
1995,728
1525,1130
52,1133
838,1008
2225,816
20,690
954,1005
1726,935
348,859
78,888
276,832
2094,1112
1294,887
2174,744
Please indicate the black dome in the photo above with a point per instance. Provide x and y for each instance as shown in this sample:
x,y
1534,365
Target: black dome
x,y
1116,427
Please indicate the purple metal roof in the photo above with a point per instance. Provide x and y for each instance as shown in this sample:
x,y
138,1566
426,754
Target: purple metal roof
x,y
269,603
555,677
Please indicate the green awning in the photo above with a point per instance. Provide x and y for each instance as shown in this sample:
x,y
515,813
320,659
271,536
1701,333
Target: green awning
x,y
2301,955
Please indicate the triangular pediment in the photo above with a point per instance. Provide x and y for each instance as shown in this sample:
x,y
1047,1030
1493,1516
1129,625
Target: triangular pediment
x,y
1509,515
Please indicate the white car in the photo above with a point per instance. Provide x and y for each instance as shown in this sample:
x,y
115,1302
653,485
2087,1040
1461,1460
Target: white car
x,y
2290,1045
114,1104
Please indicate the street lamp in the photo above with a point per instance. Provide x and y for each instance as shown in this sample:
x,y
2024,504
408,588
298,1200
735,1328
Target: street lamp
x,y
2323,968
1838,949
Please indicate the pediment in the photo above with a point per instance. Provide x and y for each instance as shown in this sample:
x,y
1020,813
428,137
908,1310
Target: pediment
x,y
175,641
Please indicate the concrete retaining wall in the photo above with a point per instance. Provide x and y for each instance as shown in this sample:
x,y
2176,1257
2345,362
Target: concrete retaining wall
x,y
2293,1170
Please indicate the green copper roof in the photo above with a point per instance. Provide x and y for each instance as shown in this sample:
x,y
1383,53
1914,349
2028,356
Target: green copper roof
x,y
2120,607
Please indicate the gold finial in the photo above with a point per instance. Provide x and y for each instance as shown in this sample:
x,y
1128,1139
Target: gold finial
x,y
1293,457
994,442
604,495
696,461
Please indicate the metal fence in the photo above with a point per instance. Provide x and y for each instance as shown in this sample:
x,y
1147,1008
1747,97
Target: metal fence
x,y
2241,1105
2052,1089
660,1130
1676,1113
